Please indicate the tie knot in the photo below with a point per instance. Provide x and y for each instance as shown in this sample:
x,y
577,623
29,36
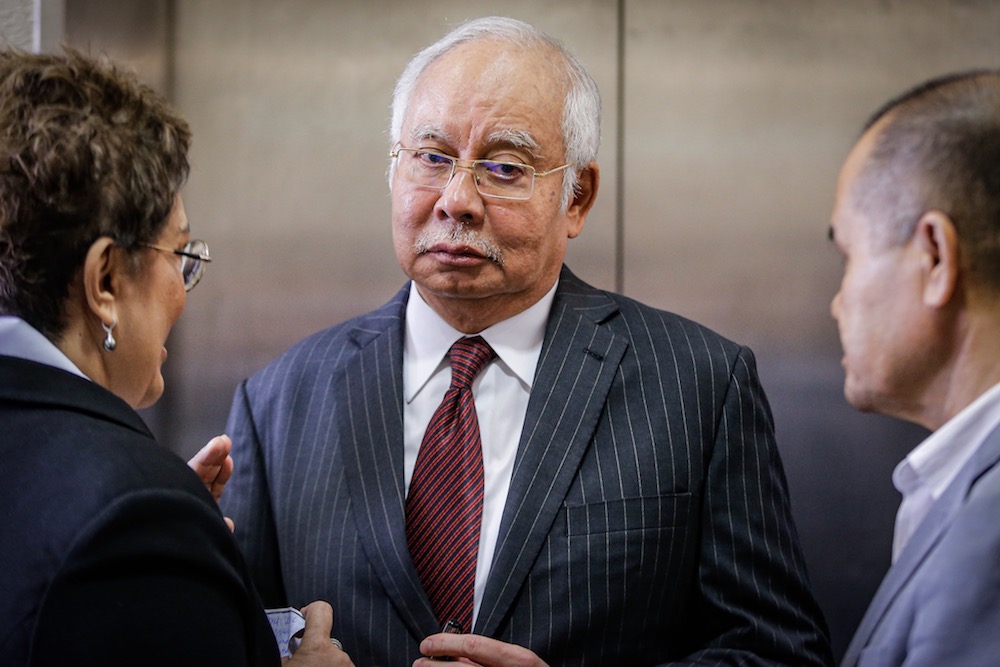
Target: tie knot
x,y
468,357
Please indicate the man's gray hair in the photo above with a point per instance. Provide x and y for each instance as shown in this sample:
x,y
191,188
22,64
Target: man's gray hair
x,y
938,148
581,120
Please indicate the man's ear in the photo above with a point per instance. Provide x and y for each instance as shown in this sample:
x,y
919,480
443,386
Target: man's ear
x,y
101,269
588,180
940,255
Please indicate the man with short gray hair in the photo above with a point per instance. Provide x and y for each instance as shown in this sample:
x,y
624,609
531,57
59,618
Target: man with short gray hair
x,y
917,218
551,473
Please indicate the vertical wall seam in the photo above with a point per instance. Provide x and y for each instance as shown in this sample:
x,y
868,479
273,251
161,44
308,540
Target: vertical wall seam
x,y
620,153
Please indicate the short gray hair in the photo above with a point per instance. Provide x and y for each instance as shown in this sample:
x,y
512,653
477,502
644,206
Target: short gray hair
x,y
581,120
938,148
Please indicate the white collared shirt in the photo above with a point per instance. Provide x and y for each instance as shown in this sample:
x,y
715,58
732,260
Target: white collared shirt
x,y
927,471
20,339
501,392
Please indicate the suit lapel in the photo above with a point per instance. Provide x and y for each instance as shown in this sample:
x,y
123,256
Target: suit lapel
x,y
372,421
931,530
578,363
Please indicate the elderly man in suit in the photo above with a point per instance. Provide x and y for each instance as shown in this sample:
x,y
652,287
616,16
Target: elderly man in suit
x,y
917,218
579,479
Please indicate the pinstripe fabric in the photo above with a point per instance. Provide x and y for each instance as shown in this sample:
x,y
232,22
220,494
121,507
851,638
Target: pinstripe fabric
x,y
647,521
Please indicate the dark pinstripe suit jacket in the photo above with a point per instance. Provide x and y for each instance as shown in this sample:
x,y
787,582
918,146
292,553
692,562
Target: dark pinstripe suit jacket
x,y
647,522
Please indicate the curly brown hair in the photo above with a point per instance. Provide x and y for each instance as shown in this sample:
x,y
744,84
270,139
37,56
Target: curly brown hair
x,y
86,151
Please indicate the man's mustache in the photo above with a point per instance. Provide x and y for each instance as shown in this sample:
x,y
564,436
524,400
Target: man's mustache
x,y
459,235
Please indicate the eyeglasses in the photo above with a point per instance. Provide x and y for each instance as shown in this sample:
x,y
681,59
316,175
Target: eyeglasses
x,y
503,180
194,257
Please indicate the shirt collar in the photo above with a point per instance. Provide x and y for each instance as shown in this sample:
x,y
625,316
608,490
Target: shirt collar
x,y
20,339
517,341
936,461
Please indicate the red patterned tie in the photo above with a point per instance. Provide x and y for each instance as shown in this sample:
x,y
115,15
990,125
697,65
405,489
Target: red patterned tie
x,y
444,507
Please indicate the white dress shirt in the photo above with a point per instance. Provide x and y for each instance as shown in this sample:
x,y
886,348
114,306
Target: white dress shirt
x,y
501,392
20,339
927,471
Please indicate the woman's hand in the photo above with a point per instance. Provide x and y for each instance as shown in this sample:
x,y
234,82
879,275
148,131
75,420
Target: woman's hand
x,y
214,466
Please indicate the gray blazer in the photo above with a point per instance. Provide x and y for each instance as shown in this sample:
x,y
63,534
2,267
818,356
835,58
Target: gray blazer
x,y
939,604
648,518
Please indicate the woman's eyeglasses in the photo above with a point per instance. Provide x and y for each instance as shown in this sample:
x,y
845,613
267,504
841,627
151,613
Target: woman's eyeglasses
x,y
194,257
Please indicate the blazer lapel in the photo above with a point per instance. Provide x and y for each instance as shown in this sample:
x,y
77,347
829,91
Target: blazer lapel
x,y
578,363
931,530
372,424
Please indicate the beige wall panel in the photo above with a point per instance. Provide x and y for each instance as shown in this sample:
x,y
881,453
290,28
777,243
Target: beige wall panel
x,y
135,34
16,24
738,115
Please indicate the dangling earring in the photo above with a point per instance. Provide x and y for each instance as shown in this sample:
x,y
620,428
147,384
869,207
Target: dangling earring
x,y
109,341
